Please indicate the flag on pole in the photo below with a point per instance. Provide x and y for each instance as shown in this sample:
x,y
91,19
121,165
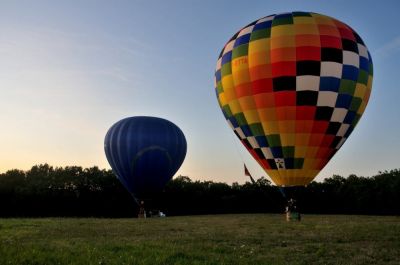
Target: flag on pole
x,y
247,173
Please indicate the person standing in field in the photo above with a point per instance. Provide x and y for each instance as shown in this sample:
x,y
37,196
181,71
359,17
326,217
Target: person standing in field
x,y
142,211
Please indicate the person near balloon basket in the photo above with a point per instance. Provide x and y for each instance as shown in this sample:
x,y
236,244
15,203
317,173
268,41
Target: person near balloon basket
x,y
142,211
292,212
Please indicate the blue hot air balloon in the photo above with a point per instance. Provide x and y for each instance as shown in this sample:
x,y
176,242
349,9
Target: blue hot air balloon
x,y
144,153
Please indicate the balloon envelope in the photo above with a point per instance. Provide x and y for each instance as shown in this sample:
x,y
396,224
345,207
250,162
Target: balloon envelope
x,y
293,86
144,152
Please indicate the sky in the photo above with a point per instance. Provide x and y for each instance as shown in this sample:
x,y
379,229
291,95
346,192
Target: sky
x,y
70,69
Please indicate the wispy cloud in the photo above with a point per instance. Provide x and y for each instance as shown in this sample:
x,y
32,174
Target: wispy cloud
x,y
389,48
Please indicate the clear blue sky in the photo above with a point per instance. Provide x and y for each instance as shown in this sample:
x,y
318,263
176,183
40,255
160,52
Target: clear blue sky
x,y
70,69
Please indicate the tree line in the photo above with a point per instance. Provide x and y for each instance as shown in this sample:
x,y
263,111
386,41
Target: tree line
x,y
75,191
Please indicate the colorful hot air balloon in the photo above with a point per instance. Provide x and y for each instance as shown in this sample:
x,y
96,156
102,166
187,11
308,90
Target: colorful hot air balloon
x,y
293,86
144,153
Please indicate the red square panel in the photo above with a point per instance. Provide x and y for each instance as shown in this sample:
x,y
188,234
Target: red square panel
x,y
286,113
305,113
315,139
264,100
244,90
308,53
328,30
284,69
331,42
304,126
265,164
285,98
262,86
346,33
327,141
323,152
320,126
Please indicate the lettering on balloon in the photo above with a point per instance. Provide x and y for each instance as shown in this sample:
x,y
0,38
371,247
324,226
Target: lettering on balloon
x,y
240,61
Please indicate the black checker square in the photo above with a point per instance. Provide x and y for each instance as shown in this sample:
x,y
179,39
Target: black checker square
x,y
259,153
247,143
308,68
358,38
271,163
284,83
333,128
331,55
349,45
323,113
336,141
306,98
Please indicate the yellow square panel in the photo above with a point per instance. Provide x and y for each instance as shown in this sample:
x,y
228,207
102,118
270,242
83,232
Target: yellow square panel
x,y
222,99
360,90
247,103
283,41
369,83
261,45
282,173
290,174
288,139
267,114
297,173
282,30
287,126
251,116
311,151
323,20
302,139
309,163
230,93
259,58
241,77
309,29
235,106
227,82
303,20
270,127
239,64
300,151
313,174
274,175
362,107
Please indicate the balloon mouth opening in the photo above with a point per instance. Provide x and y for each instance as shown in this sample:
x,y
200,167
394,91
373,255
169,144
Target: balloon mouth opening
x,y
154,165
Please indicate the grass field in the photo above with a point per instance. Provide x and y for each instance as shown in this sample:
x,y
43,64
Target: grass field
x,y
217,239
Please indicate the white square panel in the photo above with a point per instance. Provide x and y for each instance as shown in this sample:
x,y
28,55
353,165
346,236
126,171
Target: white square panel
x,y
253,142
229,46
245,31
343,129
362,50
338,114
351,58
307,82
269,18
267,152
240,132
331,69
327,98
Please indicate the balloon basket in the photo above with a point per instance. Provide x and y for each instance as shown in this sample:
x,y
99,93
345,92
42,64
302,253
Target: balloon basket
x,y
293,216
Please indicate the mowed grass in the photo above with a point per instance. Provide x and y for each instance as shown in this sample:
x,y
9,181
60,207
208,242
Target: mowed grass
x,y
214,239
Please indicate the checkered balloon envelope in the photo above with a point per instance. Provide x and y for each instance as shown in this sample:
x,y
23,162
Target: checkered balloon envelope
x,y
293,86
